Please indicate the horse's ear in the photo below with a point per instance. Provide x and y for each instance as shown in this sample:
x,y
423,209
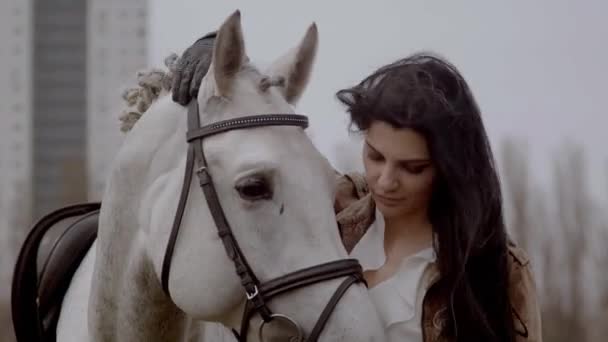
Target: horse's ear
x,y
296,66
228,53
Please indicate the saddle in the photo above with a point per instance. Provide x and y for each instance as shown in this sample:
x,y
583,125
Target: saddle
x,y
49,257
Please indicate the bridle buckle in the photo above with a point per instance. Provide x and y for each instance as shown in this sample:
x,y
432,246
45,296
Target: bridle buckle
x,y
255,293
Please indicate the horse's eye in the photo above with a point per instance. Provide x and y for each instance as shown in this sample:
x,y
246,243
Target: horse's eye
x,y
254,188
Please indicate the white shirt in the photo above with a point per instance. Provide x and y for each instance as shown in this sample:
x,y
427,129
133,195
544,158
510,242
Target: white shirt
x,y
398,299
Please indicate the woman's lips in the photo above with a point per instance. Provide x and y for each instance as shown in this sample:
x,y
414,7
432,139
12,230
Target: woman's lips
x,y
391,201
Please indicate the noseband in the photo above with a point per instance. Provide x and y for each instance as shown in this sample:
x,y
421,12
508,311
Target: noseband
x,y
258,294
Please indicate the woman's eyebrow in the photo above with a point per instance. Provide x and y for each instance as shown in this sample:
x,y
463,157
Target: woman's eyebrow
x,y
402,161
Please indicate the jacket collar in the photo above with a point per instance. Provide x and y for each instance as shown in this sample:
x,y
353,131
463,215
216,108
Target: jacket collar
x,y
355,219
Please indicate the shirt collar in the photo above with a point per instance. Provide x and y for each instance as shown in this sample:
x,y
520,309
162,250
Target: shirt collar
x,y
370,249
395,297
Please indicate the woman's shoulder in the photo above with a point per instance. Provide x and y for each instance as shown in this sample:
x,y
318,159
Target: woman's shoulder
x,y
354,208
352,201
350,187
523,295
517,255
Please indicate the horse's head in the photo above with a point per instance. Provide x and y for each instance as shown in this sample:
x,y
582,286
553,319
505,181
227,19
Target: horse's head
x,y
275,188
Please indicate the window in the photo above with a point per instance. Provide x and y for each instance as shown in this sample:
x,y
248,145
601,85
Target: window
x,y
101,69
14,80
17,50
140,32
102,22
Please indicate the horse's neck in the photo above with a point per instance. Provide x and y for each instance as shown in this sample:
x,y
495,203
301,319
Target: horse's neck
x,y
140,311
127,302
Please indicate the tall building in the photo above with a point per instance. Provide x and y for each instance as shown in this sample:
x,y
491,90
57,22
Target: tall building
x,y
15,129
117,49
59,103
63,64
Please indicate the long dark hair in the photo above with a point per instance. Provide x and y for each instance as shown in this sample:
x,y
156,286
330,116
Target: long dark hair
x,y
426,93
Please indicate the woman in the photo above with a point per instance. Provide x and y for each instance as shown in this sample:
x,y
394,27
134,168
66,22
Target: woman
x,y
425,219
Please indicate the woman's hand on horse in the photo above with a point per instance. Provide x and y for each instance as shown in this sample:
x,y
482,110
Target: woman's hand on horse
x,y
191,67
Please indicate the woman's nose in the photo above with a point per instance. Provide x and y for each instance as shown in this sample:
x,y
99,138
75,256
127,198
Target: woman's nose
x,y
388,180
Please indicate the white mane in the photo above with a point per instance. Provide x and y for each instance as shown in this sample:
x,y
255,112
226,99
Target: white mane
x,y
151,84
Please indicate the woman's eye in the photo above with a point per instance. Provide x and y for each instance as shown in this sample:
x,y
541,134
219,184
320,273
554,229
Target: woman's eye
x,y
415,169
375,156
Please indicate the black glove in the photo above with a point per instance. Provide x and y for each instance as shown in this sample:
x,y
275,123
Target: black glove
x,y
191,67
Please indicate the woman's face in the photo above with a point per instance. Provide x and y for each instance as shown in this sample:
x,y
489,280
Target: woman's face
x,y
399,171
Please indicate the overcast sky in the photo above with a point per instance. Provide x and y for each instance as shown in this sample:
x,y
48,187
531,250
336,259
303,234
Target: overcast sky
x,y
537,68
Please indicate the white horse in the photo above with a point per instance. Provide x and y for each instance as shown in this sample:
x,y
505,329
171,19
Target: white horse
x,y
116,294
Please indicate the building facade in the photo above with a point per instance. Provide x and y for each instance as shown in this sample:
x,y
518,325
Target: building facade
x,y
117,37
64,64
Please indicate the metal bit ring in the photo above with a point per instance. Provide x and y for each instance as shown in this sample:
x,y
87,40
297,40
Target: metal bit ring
x,y
299,337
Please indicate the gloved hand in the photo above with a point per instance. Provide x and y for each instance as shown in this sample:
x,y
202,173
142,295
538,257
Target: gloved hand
x,y
191,67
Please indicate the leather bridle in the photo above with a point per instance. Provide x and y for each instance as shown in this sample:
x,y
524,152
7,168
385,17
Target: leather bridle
x,y
258,294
